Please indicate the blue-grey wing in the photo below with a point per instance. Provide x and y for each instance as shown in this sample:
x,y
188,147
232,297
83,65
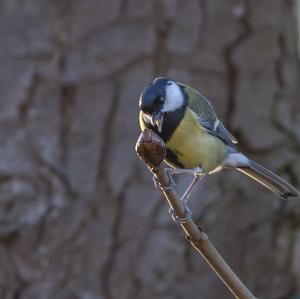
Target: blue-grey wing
x,y
206,115
216,128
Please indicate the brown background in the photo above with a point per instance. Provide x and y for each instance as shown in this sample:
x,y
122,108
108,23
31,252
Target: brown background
x,y
79,215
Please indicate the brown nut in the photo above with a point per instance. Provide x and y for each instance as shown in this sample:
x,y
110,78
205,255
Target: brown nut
x,y
151,148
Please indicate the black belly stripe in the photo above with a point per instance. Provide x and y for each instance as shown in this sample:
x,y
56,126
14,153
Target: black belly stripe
x,y
172,158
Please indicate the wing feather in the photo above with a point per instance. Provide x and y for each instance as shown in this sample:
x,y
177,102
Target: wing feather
x,y
206,115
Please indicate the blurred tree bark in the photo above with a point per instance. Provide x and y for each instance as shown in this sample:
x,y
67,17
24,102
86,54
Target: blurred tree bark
x,y
75,201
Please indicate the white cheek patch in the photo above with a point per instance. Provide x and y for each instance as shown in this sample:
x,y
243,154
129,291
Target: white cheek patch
x,y
174,97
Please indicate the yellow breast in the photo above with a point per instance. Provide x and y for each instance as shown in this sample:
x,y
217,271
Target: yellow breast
x,y
194,147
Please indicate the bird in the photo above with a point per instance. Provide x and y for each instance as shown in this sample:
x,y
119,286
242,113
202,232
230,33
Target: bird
x,y
196,140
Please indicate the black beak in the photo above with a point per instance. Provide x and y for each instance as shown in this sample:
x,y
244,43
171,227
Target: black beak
x,y
157,119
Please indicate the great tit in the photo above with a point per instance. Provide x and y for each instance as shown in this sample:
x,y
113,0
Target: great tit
x,y
195,137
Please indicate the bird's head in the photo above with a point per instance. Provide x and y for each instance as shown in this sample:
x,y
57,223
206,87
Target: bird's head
x,y
160,97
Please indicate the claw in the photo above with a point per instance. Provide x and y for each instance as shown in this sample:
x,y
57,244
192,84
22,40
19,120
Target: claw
x,y
186,218
159,186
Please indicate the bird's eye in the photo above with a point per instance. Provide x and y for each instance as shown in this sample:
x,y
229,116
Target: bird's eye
x,y
169,83
160,100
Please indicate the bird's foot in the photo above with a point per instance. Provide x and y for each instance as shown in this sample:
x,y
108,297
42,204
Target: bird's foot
x,y
163,188
185,218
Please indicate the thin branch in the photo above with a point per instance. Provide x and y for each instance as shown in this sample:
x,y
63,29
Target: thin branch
x,y
152,151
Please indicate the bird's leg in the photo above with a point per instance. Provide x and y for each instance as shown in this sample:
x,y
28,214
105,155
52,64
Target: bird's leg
x,y
198,174
190,188
193,171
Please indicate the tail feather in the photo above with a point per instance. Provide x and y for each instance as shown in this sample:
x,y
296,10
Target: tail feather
x,y
270,180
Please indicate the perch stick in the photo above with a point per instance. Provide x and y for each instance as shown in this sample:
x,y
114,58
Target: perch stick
x,y
151,150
